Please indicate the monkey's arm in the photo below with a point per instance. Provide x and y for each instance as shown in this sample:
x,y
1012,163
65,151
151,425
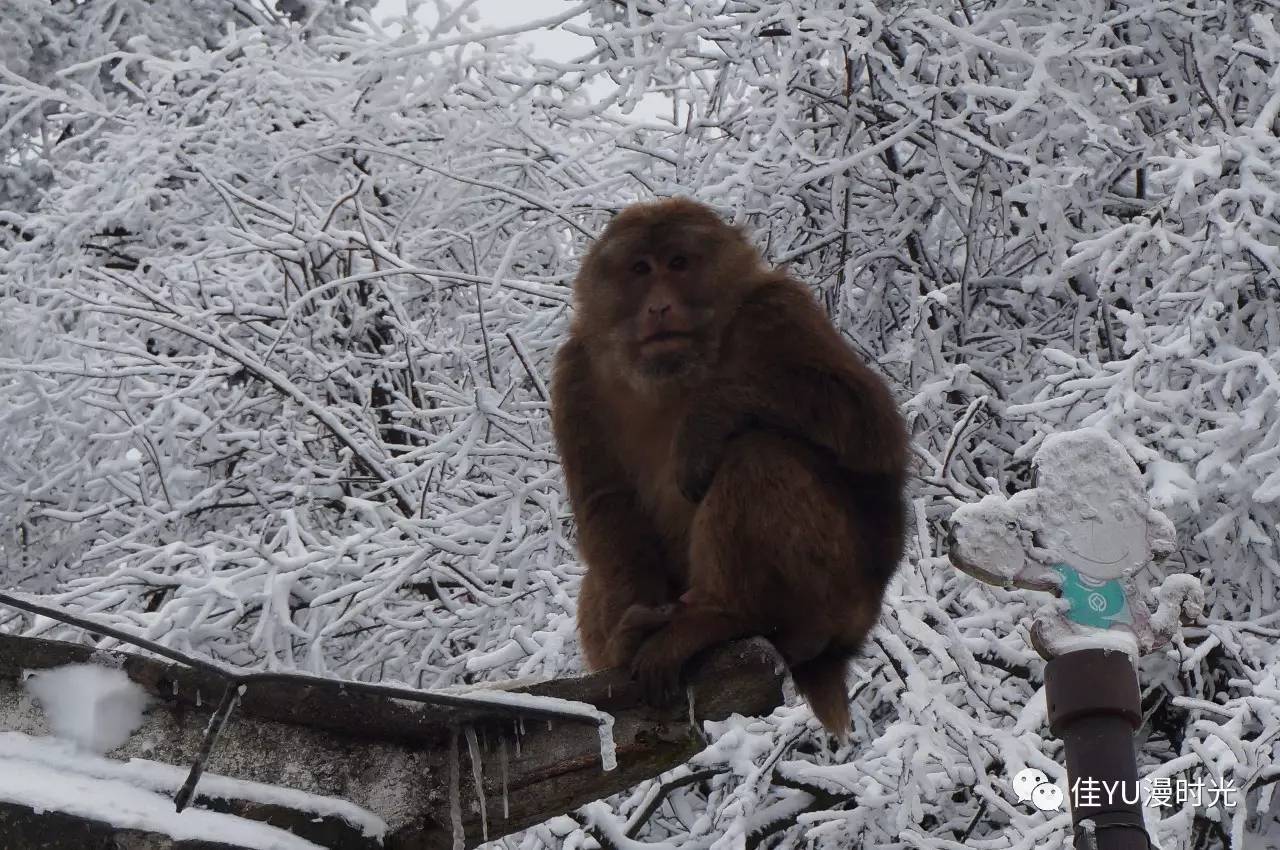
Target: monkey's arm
x,y
626,572
789,371
626,562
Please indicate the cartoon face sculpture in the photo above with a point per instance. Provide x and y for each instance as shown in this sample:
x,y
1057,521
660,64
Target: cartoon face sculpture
x,y
1081,533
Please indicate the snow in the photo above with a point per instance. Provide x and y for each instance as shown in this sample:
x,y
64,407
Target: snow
x,y
492,695
989,533
604,721
27,780
1072,641
97,707
278,308
455,795
1092,506
1173,487
164,780
504,769
608,748
477,777
1180,596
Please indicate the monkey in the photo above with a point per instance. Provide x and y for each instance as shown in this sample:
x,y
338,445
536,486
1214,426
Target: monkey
x,y
733,467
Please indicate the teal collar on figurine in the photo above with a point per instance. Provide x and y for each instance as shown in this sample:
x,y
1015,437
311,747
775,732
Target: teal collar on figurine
x,y
1098,603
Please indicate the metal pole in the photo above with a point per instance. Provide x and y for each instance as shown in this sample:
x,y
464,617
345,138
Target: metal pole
x,y
1094,706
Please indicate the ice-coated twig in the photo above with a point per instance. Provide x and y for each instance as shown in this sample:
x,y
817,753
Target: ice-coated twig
x,y
217,722
455,794
477,776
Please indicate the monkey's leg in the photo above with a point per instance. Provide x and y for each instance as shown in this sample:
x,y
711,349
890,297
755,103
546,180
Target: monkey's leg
x,y
771,541
799,645
692,628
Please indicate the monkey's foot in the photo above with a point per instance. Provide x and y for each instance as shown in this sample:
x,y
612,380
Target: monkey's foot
x,y
647,616
657,670
637,624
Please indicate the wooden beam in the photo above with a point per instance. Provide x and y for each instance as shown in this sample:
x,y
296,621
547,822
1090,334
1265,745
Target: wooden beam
x,y
393,758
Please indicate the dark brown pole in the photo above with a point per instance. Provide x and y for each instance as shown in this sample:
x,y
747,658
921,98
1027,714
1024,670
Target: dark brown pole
x,y
1095,708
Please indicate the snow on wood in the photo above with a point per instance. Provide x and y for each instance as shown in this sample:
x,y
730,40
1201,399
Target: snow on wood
x,y
96,707
287,752
42,788
165,779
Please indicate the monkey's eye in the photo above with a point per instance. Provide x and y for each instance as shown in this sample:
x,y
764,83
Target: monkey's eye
x,y
640,267
677,262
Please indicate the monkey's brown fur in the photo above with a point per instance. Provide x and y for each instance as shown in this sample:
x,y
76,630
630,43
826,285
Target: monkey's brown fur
x,y
733,467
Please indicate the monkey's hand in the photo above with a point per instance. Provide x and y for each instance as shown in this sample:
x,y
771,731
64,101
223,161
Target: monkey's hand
x,y
656,667
637,623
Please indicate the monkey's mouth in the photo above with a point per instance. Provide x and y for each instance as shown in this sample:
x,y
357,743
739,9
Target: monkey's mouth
x,y
664,341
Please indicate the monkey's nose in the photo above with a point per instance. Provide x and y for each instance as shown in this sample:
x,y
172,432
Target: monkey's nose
x,y
660,309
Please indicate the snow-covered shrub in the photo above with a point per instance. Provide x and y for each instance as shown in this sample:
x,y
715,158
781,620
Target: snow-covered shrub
x,y
276,317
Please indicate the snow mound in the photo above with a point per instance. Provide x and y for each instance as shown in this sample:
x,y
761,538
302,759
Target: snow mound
x,y
96,707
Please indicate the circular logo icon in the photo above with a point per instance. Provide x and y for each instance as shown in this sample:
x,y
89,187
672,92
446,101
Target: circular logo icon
x,y
1025,781
1046,797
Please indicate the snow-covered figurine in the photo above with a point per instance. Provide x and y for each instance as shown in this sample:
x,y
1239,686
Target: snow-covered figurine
x,y
1082,533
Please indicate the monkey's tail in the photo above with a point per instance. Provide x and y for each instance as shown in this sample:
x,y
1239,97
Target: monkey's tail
x,y
821,681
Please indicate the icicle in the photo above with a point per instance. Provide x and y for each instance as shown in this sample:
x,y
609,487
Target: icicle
x,y
608,749
694,725
502,766
477,774
455,794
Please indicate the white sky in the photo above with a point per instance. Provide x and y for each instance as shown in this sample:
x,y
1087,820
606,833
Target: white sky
x,y
552,44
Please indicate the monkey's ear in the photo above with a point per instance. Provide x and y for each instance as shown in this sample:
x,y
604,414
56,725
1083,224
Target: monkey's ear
x,y
620,220
604,250
606,241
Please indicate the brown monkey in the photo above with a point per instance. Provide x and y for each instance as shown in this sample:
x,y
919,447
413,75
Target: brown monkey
x,y
733,467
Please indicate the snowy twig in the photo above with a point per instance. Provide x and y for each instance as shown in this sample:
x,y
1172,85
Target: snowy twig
x,y
217,722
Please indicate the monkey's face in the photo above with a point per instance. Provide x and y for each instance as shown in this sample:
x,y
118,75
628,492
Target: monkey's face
x,y
663,306
658,284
